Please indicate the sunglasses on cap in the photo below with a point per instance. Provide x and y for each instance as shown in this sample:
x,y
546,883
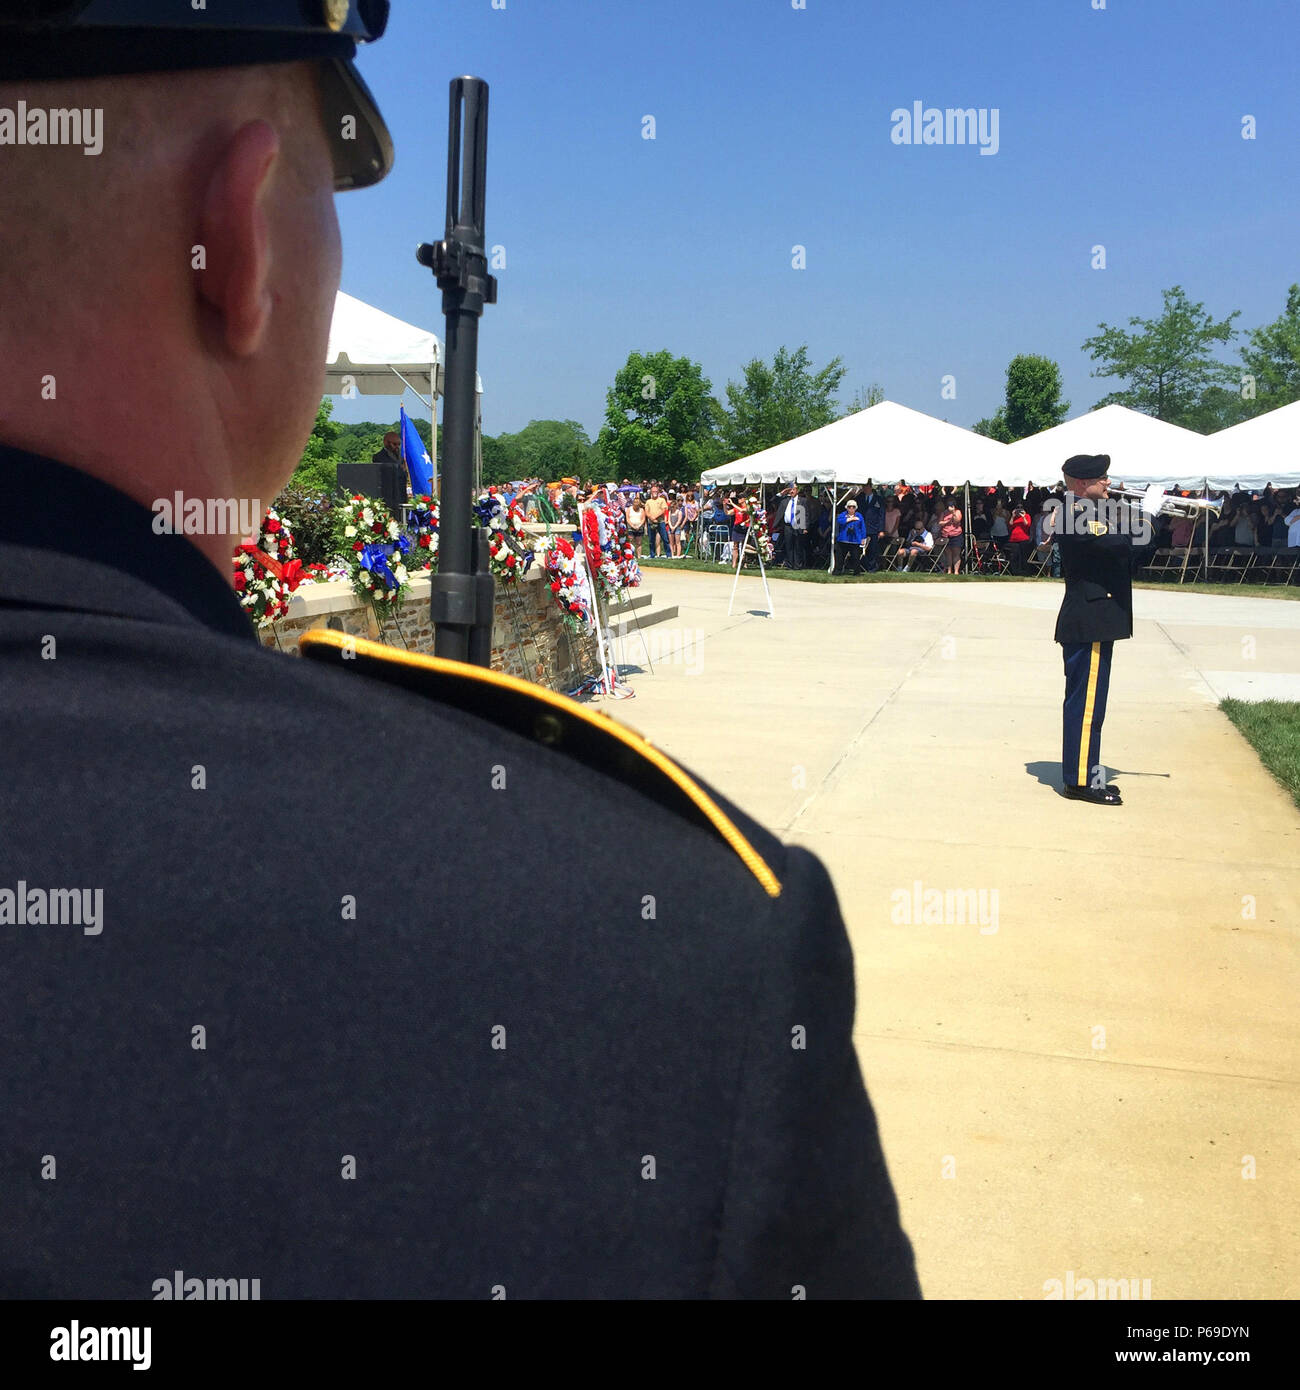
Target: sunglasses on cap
x,y
51,40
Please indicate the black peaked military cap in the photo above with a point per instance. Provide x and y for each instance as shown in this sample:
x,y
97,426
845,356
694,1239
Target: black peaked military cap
x,y
46,40
1085,466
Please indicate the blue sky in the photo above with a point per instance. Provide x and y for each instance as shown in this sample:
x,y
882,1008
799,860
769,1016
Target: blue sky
x,y
1119,127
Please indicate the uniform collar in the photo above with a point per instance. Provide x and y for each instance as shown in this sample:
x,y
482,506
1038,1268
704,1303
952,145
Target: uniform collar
x,y
69,541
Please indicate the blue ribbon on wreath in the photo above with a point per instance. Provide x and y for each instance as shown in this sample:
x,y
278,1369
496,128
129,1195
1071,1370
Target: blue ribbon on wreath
x,y
418,518
375,559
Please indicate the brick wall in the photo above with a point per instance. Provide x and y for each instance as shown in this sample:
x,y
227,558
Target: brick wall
x,y
529,639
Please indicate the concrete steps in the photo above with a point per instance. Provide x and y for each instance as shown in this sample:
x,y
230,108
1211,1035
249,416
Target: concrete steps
x,y
637,611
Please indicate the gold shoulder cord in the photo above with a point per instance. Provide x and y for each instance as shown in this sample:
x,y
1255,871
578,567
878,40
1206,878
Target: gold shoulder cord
x,y
540,715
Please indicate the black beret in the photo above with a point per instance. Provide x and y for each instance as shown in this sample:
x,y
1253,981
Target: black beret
x,y
1085,466
55,40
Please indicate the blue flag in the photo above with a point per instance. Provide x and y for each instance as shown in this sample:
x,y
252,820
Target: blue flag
x,y
416,457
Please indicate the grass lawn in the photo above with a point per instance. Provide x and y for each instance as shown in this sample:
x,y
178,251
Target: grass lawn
x,y
1291,591
1272,728
819,576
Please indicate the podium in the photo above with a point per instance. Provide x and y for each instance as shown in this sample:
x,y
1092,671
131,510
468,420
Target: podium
x,y
386,481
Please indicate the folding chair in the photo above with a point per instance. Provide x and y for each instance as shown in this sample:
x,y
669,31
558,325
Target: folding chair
x,y
1278,566
1195,564
933,563
1228,565
989,559
1040,561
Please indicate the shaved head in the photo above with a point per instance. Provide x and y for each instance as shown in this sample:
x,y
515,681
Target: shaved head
x,y
167,301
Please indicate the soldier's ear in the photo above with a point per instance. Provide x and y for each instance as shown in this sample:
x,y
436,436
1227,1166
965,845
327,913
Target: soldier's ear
x,y
234,231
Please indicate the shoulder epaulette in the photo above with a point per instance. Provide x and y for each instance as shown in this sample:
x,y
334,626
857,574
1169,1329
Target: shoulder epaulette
x,y
541,716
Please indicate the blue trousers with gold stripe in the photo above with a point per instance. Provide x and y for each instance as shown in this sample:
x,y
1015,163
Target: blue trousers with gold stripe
x,y
1087,679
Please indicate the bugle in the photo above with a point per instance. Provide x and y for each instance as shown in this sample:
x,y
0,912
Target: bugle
x,y
1155,501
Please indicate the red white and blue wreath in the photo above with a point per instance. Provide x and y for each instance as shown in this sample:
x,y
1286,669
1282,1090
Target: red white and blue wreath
x,y
759,536
422,528
375,548
509,554
267,571
569,583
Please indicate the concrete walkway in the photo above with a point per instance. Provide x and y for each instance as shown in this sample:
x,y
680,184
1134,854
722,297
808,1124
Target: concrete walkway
x,y
1098,1073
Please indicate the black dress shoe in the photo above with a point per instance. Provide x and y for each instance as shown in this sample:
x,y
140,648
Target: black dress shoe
x,y
1099,796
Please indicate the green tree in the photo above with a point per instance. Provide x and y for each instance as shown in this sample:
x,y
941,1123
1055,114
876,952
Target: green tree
x,y
658,420
1169,365
770,405
553,449
1273,358
499,460
994,426
1033,400
315,470
865,397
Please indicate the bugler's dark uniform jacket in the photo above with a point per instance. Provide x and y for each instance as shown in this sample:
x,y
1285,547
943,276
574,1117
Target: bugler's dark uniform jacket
x,y
1097,568
409,981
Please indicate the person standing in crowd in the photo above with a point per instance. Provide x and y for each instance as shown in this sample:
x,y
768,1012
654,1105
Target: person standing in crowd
x,y
635,516
690,521
849,536
1096,612
794,523
823,532
892,514
1182,532
674,520
1292,520
999,526
950,533
738,511
1019,538
873,521
933,512
1244,531
656,508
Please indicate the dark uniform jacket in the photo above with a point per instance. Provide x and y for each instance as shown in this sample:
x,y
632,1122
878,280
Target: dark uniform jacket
x,y
409,981
1097,568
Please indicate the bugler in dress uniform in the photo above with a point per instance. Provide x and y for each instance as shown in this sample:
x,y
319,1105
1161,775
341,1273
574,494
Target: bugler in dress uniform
x,y
1096,612
407,979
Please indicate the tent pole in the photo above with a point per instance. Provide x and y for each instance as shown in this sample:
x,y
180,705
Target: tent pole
x,y
965,529
835,511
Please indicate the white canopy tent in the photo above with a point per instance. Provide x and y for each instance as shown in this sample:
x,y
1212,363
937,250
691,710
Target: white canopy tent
x,y
1142,449
885,443
1263,450
374,354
